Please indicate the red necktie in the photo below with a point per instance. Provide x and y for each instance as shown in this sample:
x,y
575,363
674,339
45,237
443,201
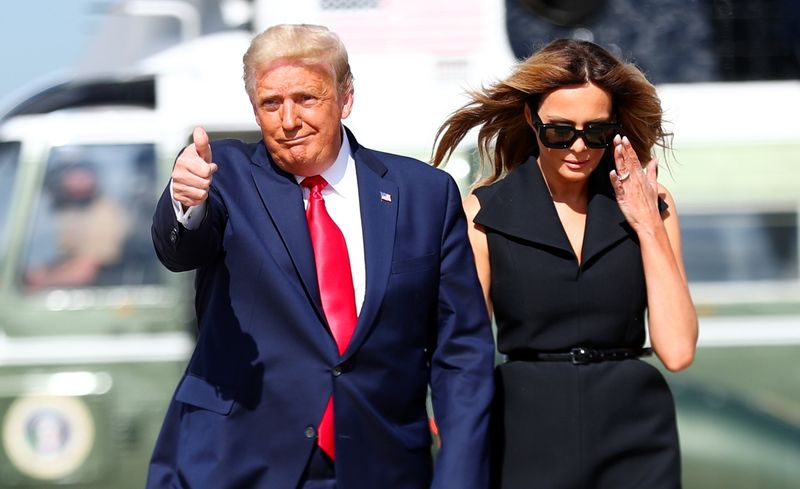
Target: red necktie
x,y
335,286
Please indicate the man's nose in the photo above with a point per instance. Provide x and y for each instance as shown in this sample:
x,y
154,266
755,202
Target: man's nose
x,y
289,116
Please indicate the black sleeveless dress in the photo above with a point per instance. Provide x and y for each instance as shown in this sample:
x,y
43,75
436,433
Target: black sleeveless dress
x,y
558,425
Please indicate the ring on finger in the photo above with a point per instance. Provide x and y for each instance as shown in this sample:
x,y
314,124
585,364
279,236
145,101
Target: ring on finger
x,y
623,176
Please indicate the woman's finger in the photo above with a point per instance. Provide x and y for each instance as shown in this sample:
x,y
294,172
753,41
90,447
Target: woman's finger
x,y
616,183
620,163
631,158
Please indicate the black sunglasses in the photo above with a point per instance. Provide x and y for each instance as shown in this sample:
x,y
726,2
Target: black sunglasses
x,y
561,136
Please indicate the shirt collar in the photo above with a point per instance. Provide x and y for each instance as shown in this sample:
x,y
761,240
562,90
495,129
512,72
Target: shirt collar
x,y
341,175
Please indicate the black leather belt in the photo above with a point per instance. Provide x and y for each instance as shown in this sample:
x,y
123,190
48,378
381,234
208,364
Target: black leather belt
x,y
581,355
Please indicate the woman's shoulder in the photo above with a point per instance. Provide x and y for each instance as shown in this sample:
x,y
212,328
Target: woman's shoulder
x,y
508,187
481,194
485,199
472,205
665,200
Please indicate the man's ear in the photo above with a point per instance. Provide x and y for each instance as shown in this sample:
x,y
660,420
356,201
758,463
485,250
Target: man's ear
x,y
347,103
255,115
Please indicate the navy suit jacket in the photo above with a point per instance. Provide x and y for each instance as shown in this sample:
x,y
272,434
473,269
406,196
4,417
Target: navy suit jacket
x,y
245,413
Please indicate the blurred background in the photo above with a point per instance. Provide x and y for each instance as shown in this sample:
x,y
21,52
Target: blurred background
x,y
97,98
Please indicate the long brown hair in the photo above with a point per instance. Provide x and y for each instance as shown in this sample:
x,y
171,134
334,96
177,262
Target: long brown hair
x,y
505,140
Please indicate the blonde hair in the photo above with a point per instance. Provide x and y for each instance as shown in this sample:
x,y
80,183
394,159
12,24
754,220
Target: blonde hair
x,y
505,140
305,43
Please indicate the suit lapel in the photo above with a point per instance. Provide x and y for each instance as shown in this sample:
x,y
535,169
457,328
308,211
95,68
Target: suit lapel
x,y
283,201
378,199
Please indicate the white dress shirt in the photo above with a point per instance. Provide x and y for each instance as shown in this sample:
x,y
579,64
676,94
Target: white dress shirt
x,y
341,201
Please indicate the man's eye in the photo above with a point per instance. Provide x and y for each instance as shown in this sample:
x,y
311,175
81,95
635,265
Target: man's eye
x,y
270,104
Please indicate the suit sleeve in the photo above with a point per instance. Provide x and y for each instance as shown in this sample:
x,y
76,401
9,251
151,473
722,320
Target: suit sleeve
x,y
181,249
462,361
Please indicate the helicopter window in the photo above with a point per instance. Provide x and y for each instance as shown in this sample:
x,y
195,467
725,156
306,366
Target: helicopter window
x,y
741,246
91,226
9,158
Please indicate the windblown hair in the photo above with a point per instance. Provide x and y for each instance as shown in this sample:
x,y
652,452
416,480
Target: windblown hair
x,y
305,43
505,140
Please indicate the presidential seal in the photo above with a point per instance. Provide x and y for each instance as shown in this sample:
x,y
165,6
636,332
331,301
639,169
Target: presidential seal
x,y
48,437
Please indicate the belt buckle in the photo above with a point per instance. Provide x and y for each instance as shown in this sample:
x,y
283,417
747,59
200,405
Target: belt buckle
x,y
582,356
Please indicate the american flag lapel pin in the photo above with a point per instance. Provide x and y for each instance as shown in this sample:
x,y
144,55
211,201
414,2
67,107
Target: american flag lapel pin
x,y
386,197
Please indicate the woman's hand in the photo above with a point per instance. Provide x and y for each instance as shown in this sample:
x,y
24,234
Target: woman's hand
x,y
635,187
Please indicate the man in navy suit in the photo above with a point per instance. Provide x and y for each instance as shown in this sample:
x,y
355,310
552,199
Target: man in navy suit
x,y
269,365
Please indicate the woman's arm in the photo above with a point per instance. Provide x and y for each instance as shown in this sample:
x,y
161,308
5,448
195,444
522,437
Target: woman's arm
x,y
672,319
480,247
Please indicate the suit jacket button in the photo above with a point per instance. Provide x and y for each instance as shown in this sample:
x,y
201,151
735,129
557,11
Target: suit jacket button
x,y
311,432
173,236
337,371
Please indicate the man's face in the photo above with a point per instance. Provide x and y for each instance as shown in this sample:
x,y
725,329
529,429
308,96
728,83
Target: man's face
x,y
299,113
77,186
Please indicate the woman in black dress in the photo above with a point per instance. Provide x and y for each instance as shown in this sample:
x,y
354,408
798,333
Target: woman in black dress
x,y
574,241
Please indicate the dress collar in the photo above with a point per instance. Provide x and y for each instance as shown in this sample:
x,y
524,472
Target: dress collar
x,y
520,205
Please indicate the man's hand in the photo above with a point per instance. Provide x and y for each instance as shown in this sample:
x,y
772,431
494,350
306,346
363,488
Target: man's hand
x,y
193,172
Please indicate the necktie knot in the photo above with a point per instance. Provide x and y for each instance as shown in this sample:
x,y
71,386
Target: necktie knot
x,y
315,183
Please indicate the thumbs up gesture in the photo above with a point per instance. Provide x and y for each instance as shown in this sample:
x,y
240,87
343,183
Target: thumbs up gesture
x,y
193,172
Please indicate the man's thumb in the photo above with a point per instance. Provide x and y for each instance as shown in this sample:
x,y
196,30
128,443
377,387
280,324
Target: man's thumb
x,y
200,139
